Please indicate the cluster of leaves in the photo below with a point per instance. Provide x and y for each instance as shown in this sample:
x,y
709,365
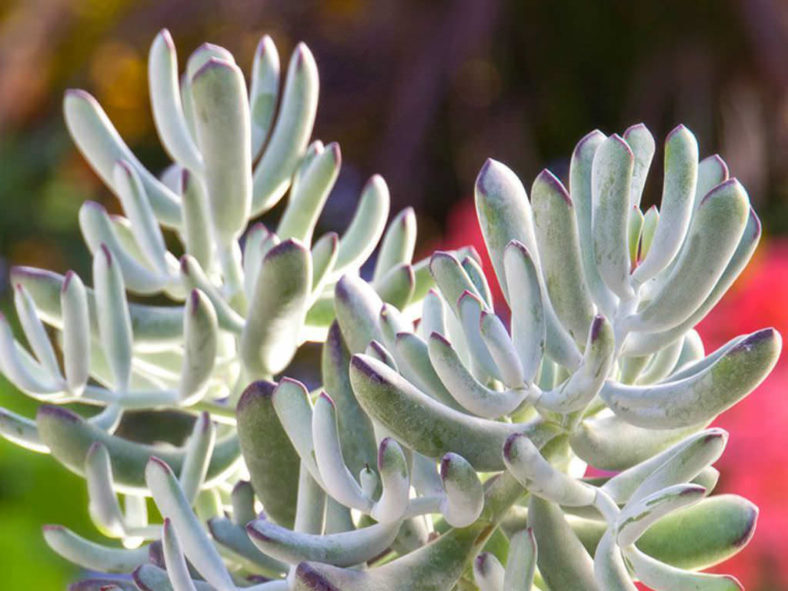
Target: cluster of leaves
x,y
443,443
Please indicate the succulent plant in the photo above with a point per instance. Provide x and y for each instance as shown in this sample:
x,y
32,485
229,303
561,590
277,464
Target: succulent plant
x,y
447,446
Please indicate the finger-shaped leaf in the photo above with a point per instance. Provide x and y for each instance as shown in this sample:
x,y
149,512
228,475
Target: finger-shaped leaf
x,y
269,455
398,243
634,228
264,92
165,99
559,253
639,514
91,555
69,437
358,308
310,514
341,549
586,381
661,363
641,142
21,431
580,168
221,115
464,498
466,389
366,227
662,577
535,473
234,537
433,315
294,410
103,506
114,321
199,450
196,220
488,573
324,256
195,543
355,428
309,194
521,562
338,480
396,286
290,134
423,424
611,185
678,194
150,577
609,568
416,367
200,336
76,332
395,479
34,330
528,324
474,270
470,308
716,231
702,396
499,344
276,312
608,442
177,570
562,560
452,279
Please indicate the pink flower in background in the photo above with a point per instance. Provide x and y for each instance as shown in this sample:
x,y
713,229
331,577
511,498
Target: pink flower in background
x,y
755,463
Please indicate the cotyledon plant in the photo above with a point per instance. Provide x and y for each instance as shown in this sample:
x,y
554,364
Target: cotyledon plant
x,y
445,450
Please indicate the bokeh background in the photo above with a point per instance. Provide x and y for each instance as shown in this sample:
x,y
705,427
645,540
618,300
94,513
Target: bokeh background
x,y
421,92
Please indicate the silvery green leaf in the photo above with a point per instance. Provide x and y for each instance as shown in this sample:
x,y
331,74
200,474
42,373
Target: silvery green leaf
x,y
707,478
423,424
699,397
340,549
499,344
268,452
196,228
586,381
310,505
609,568
642,343
398,243
358,308
103,504
292,405
102,147
144,225
395,480
355,427
640,513
264,92
200,336
559,252
608,442
337,479
195,543
470,308
488,573
662,577
290,135
324,257
194,277
91,555
679,463
562,560
416,367
221,115
35,332
611,185
234,538
642,144
692,350
165,99
379,352
504,215
258,241
465,388
528,324
661,363
177,570
366,227
424,280
21,431
276,312
76,332
634,227
580,168
464,498
537,475
69,437
150,577
521,562
712,171
199,450
474,270
242,498
114,322
396,286
678,193
650,222
433,315
452,279
714,235
98,229
309,194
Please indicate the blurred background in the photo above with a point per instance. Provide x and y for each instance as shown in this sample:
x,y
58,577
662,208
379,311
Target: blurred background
x,y
421,92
